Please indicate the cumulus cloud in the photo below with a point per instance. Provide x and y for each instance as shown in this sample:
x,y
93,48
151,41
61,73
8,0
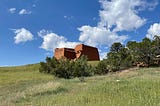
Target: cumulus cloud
x,y
96,36
52,41
22,35
115,16
24,11
153,30
12,10
121,14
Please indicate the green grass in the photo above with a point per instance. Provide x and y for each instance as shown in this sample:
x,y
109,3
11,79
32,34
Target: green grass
x,y
93,63
25,86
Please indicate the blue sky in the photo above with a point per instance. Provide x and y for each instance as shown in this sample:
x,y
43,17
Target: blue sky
x,y
31,30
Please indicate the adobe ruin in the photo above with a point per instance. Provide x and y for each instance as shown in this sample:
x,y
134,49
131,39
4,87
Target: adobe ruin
x,y
81,49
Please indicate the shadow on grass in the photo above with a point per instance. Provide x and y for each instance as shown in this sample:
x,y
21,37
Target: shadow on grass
x,y
51,92
28,98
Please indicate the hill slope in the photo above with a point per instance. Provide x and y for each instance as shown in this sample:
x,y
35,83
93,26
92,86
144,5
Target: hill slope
x,y
26,86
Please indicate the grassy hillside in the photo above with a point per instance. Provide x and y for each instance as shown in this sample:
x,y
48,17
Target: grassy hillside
x,y
93,63
24,85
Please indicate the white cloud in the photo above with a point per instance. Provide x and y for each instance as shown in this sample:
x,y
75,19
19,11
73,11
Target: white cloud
x,y
22,35
115,16
43,33
121,14
102,55
52,41
12,10
24,11
96,36
153,30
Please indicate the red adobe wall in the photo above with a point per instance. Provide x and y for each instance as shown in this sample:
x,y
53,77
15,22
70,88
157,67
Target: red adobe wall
x,y
59,53
64,52
78,50
91,52
81,49
69,53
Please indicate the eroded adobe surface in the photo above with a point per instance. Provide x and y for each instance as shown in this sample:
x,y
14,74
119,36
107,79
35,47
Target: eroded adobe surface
x,y
90,52
81,49
64,52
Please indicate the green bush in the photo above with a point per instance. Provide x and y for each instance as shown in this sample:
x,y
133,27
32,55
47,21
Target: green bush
x,y
81,67
113,61
101,68
43,67
65,68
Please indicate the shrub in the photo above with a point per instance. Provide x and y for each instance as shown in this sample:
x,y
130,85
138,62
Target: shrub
x,y
65,68
43,67
101,68
81,67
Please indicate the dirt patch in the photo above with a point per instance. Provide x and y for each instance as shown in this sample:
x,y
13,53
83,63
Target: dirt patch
x,y
128,71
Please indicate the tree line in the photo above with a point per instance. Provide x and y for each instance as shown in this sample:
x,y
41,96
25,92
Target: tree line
x,y
143,54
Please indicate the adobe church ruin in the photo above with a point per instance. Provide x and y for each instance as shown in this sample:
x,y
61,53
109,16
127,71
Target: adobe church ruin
x,y
81,49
